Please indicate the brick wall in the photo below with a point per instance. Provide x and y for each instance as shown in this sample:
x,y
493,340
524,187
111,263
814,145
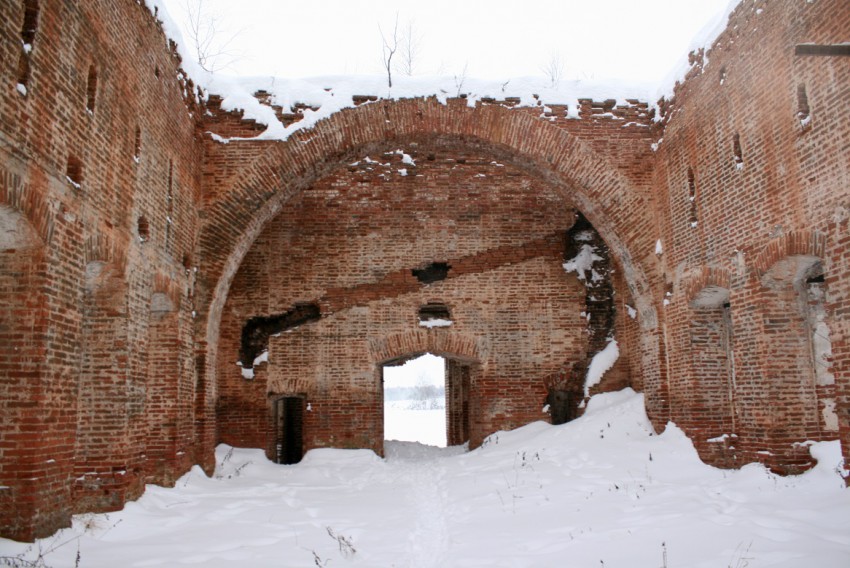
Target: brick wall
x,y
96,136
753,175
134,248
351,241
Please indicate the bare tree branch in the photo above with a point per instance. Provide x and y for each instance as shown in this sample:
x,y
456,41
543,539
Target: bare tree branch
x,y
554,70
461,79
389,47
409,49
208,38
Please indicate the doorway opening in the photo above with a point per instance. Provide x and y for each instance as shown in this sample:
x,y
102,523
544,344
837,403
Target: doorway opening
x,y
415,399
289,429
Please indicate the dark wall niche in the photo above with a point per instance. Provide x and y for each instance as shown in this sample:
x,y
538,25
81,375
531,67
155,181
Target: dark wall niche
x,y
431,273
255,334
829,50
91,88
566,390
28,30
736,150
434,311
74,171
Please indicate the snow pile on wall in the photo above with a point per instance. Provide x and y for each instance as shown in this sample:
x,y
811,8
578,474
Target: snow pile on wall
x,y
600,364
334,93
582,264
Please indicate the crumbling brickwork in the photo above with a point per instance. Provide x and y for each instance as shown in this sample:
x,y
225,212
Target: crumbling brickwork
x,y
354,243
135,249
99,175
753,178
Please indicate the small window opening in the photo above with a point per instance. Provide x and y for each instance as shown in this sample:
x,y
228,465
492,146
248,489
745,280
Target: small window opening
x,y
91,88
30,23
23,73
144,229
156,71
736,150
137,145
169,199
74,172
28,29
415,400
692,198
435,314
722,74
803,111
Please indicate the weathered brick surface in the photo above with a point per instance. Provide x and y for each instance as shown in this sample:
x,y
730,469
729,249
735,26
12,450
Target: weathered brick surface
x,y
351,241
783,207
133,248
79,283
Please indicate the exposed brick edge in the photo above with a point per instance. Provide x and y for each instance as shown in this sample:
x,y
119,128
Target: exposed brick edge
x,y
797,243
100,247
20,197
163,284
704,277
439,341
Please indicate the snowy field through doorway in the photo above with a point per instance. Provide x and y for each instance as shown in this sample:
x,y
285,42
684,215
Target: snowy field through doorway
x,y
415,401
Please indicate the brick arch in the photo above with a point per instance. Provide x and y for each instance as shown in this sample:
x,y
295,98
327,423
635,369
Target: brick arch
x,y
100,247
168,288
245,199
706,277
20,197
796,243
255,193
440,342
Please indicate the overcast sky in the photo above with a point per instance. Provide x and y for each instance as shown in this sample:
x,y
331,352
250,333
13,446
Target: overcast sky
x,y
630,40
427,370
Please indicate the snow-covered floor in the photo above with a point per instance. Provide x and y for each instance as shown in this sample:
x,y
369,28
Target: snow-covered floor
x,y
602,491
403,424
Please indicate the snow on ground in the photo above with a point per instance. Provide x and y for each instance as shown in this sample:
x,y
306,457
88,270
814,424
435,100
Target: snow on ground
x,y
405,424
601,491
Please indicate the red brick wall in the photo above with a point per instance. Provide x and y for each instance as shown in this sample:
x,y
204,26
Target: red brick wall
x,y
350,242
254,184
122,294
79,304
786,200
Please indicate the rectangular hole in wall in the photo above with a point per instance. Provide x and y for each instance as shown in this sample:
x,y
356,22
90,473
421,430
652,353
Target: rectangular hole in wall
x,y
30,24
692,198
137,144
736,150
803,111
415,400
91,88
74,172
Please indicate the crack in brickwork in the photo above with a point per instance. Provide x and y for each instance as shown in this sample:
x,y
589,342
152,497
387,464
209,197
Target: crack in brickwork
x,y
257,330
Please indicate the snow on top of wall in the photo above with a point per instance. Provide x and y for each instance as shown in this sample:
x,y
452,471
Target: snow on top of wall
x,y
703,40
331,94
